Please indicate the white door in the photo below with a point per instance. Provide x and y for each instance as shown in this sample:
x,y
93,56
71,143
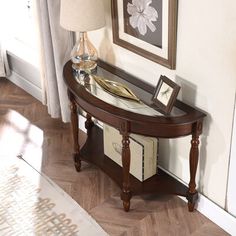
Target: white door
x,y
18,24
231,194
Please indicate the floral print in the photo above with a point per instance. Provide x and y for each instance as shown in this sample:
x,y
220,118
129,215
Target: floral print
x,y
142,15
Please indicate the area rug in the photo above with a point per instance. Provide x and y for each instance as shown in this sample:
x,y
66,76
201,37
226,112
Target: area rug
x,y
32,204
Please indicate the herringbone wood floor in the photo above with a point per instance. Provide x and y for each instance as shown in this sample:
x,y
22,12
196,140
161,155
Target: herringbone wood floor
x,y
26,128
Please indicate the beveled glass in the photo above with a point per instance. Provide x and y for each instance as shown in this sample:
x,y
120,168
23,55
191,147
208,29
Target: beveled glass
x,y
143,107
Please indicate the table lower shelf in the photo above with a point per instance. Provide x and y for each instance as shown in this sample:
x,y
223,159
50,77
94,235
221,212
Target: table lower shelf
x,y
92,152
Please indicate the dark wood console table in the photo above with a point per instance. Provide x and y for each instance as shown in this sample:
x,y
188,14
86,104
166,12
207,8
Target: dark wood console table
x,y
184,120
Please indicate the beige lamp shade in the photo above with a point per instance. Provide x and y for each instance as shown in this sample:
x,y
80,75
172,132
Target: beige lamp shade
x,y
82,15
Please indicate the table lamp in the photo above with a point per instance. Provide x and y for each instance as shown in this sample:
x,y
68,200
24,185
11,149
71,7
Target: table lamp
x,y
82,16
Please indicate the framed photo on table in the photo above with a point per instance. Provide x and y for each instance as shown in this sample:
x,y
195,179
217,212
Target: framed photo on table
x,y
147,28
165,94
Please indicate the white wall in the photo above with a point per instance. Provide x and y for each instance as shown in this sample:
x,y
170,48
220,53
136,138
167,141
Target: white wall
x,y
206,72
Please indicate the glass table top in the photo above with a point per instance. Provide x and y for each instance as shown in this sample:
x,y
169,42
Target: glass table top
x,y
141,107
129,105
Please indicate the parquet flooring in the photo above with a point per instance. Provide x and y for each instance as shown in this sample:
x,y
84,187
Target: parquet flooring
x,y
26,128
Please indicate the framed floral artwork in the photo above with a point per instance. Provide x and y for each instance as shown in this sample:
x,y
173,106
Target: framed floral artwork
x,y
146,27
165,94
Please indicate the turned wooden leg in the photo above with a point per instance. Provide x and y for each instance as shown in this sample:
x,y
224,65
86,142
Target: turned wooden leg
x,y
126,194
192,194
88,123
75,131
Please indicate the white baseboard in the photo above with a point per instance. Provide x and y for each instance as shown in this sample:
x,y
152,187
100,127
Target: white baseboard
x,y
82,123
212,211
25,85
205,206
217,215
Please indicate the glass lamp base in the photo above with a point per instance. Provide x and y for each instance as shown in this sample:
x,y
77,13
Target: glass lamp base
x,y
85,66
84,57
82,69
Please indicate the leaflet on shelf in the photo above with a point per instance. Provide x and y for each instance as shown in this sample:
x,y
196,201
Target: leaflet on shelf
x,y
143,152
